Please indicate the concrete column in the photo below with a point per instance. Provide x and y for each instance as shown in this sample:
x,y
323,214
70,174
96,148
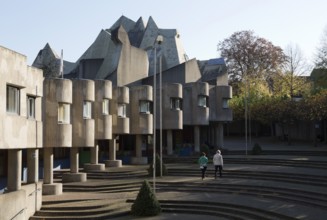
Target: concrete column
x,y
112,149
138,150
32,165
14,170
169,142
74,159
95,154
48,165
219,128
112,162
196,138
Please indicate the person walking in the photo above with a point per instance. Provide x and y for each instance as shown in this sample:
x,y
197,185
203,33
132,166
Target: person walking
x,y
218,162
203,161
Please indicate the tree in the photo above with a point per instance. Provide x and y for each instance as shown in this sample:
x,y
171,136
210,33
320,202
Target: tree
x,y
146,203
249,55
321,54
291,81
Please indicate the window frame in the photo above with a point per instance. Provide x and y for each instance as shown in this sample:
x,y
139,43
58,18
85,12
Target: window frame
x,y
30,107
63,113
176,104
121,110
105,107
144,107
13,95
200,101
87,110
225,104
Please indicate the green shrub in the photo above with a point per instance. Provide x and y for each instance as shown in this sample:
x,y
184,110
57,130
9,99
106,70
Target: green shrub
x,y
164,169
256,150
146,203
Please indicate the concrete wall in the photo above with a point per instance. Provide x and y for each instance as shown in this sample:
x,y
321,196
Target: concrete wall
x,y
103,123
193,114
120,125
172,119
17,130
216,96
83,129
133,62
56,91
141,123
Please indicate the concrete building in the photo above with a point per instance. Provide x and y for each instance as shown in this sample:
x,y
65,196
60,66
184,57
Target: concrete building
x,y
20,134
106,106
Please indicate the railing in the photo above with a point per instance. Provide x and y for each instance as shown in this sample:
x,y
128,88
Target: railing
x,y
19,213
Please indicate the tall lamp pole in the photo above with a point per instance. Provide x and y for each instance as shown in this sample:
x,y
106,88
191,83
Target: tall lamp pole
x,y
158,41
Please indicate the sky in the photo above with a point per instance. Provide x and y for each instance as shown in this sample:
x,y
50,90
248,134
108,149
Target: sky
x,y
73,25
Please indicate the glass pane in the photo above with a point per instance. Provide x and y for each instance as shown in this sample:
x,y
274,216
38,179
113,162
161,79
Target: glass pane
x,y
105,106
12,103
87,110
121,110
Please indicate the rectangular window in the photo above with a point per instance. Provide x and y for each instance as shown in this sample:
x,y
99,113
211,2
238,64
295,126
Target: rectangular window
x,y
30,107
64,113
13,97
176,103
121,110
87,110
202,101
144,107
225,103
105,107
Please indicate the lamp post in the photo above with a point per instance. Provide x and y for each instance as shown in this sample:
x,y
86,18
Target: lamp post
x,y
158,41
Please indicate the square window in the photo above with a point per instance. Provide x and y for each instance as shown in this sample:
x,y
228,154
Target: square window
x,y
121,111
144,107
202,101
12,100
176,103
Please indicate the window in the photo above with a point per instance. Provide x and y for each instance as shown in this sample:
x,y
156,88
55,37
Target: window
x,y
121,110
225,103
64,113
13,97
176,103
30,107
202,101
144,106
87,110
105,107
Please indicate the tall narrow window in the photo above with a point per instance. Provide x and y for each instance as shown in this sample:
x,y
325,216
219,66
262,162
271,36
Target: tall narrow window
x,y
121,110
176,103
225,103
30,107
202,101
64,113
87,110
12,100
144,107
105,107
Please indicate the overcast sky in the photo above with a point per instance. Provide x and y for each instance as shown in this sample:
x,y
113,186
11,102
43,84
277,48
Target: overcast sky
x,y
73,25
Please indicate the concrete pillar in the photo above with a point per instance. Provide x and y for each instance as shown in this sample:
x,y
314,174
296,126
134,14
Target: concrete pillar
x,y
112,162
219,135
196,138
14,170
112,149
95,154
138,149
48,165
32,165
169,142
74,159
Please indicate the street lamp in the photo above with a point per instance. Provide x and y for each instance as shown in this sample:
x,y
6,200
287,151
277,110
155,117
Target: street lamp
x,y
158,41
